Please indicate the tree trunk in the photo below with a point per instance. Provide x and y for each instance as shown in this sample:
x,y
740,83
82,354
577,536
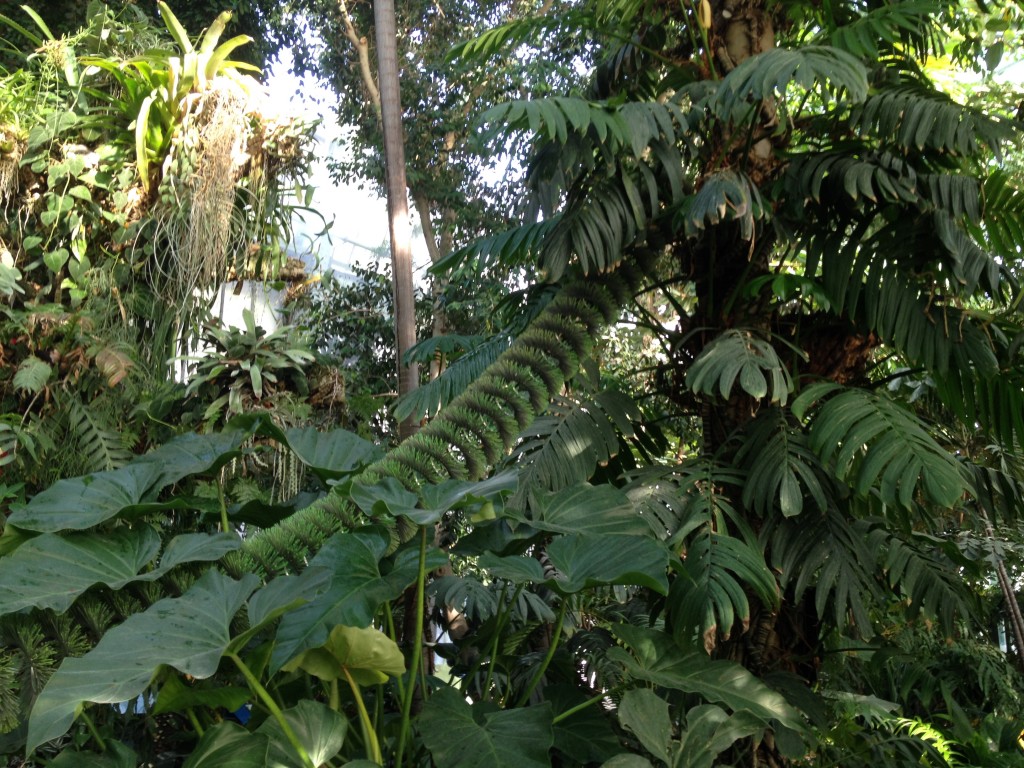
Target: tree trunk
x,y
398,203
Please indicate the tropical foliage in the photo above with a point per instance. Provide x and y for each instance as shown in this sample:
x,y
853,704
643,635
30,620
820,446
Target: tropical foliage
x,y
770,534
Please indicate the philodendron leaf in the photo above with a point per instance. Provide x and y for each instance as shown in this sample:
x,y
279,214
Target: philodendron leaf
x,y
460,735
583,561
193,454
656,658
229,745
709,732
83,502
331,455
627,760
645,713
367,654
588,561
320,730
359,585
589,509
50,571
117,755
189,633
195,547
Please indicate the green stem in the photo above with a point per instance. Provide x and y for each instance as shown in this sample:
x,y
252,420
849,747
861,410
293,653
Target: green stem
x,y
225,526
271,705
393,634
369,735
191,714
92,730
334,700
499,625
583,705
417,650
547,659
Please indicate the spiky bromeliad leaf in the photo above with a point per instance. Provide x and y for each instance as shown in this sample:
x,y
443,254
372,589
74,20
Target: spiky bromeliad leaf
x,y
873,443
740,354
564,447
189,633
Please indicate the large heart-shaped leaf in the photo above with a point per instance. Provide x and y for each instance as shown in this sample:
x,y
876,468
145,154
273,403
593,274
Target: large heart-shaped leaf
x,y
331,455
229,745
175,696
78,503
360,584
460,735
189,633
116,755
583,561
589,509
320,731
193,454
50,571
645,713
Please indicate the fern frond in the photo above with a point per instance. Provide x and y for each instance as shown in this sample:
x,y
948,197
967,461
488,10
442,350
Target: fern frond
x,y
98,441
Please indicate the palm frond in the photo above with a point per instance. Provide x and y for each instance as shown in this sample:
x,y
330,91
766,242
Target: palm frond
x,y
1002,228
876,445
740,355
929,572
565,446
724,196
773,73
782,470
911,23
917,117
836,556
429,398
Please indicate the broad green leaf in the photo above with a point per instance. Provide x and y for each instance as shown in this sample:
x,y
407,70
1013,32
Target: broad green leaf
x,y
194,454
175,696
645,713
286,592
657,659
583,561
360,584
189,633
627,760
602,509
117,755
460,735
588,561
330,455
585,736
196,547
709,732
320,730
367,654
51,571
83,502
229,745
389,498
